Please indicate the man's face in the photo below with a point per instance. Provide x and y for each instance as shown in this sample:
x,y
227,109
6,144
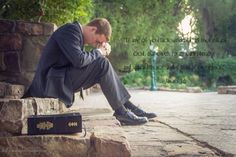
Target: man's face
x,y
94,39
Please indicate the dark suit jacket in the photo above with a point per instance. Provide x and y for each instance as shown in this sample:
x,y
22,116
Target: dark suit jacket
x,y
63,51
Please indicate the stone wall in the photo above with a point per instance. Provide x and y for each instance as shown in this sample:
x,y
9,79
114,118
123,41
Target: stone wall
x,y
21,44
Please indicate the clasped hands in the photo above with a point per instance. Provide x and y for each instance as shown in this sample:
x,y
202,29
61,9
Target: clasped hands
x,y
105,48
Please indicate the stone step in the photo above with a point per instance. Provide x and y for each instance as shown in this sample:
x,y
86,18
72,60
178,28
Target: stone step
x,y
188,89
16,91
12,91
231,91
14,112
105,138
226,90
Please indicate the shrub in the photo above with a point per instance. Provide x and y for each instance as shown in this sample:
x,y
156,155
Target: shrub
x,y
136,79
221,71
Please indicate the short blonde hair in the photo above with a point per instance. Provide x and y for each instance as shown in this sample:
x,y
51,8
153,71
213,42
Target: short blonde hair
x,y
103,27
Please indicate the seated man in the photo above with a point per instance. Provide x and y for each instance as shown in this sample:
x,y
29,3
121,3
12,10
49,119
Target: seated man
x,y
65,68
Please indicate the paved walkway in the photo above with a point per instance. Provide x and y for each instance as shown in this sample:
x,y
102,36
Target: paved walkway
x,y
188,124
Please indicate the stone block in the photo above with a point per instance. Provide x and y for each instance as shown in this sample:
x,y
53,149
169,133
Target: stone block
x,y
231,91
31,52
2,89
194,89
12,61
14,112
13,115
222,90
44,146
64,146
13,91
28,28
10,42
48,28
28,78
226,90
2,65
48,106
7,26
111,142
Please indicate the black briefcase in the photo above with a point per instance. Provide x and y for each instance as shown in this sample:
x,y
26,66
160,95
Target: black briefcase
x,y
55,124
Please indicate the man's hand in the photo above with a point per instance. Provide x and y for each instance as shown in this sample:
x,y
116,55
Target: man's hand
x,y
105,49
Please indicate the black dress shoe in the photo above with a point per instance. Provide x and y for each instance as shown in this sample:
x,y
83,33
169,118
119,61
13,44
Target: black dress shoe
x,y
129,118
139,112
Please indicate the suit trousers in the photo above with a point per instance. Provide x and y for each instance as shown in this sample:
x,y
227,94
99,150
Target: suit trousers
x,y
100,71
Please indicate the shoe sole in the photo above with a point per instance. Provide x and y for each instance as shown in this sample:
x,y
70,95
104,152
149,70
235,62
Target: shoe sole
x,y
126,124
122,122
148,117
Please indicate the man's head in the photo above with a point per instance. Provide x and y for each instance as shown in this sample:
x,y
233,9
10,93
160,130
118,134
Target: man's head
x,y
97,31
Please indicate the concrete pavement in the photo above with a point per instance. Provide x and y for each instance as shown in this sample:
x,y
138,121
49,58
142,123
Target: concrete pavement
x,y
188,124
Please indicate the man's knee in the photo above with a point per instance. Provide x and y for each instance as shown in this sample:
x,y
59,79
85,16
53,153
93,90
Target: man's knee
x,y
103,63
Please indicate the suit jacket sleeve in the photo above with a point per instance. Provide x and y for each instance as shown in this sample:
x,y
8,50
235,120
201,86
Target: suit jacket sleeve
x,y
69,39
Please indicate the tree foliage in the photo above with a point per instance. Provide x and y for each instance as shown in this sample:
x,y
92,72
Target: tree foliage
x,y
216,21
138,23
55,11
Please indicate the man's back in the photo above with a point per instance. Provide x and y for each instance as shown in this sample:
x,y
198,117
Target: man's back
x,y
50,79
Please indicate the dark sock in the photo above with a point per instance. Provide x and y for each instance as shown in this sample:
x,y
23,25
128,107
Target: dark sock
x,y
121,110
130,105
